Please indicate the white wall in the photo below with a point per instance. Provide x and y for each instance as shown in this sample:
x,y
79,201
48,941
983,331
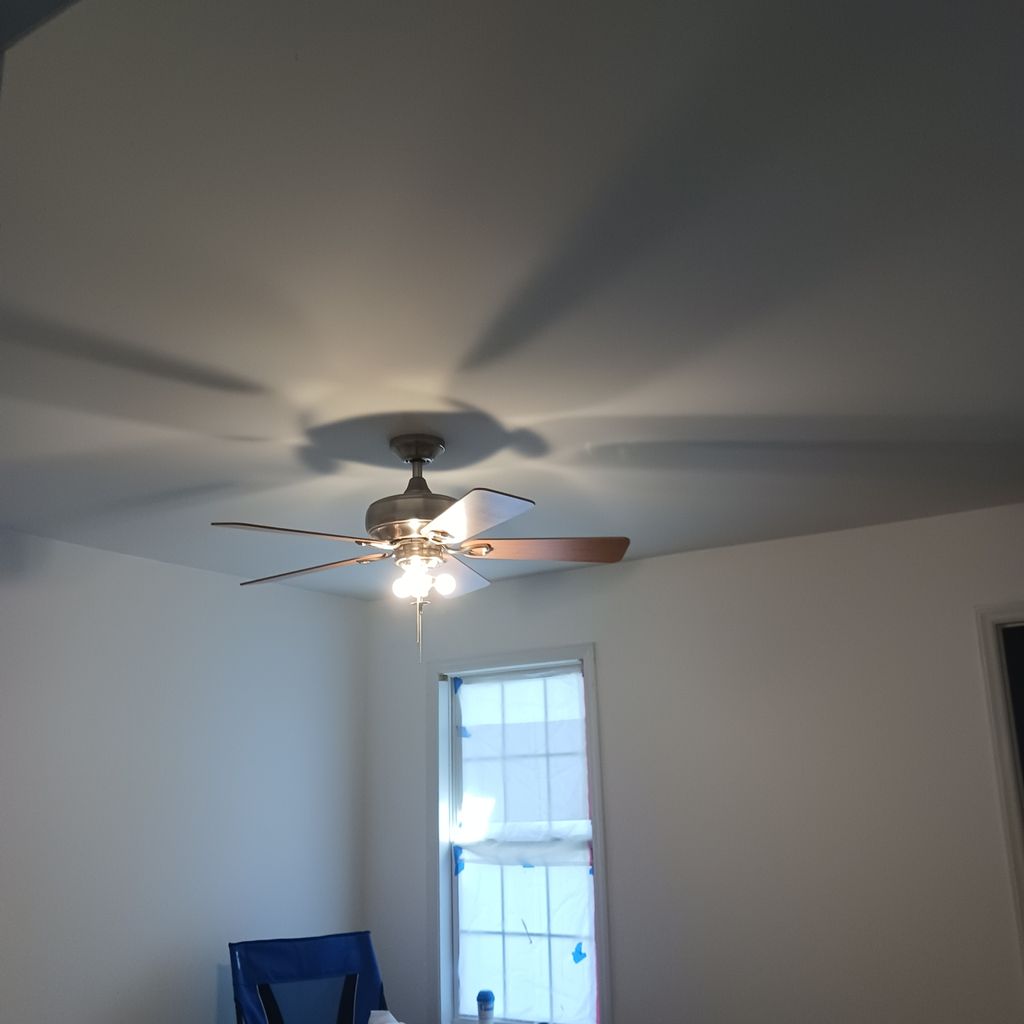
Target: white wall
x,y
802,821
180,766
801,803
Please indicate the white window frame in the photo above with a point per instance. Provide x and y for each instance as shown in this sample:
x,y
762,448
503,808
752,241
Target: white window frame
x,y
442,890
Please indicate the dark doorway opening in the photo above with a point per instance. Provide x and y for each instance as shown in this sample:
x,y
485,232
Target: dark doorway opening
x,y
1012,638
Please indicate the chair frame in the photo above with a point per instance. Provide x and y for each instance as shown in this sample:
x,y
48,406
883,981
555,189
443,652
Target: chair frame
x,y
259,964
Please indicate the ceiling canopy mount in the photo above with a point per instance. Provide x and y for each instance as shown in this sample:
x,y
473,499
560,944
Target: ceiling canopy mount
x,y
415,448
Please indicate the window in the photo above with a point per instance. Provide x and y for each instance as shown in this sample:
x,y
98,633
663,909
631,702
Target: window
x,y
521,843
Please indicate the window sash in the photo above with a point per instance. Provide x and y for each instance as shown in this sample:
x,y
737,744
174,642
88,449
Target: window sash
x,y
543,665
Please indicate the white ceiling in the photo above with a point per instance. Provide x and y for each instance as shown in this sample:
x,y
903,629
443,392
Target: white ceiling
x,y
699,274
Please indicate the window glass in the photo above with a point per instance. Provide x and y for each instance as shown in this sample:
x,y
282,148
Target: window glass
x,y
480,905
570,895
527,789
526,899
528,995
480,956
483,795
568,783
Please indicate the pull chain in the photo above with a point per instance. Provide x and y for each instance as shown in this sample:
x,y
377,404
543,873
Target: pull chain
x,y
419,626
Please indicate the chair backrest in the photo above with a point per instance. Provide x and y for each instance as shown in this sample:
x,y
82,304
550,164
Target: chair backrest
x,y
326,979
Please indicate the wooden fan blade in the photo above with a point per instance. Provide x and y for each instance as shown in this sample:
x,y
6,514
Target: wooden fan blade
x,y
466,579
305,533
475,512
360,560
548,549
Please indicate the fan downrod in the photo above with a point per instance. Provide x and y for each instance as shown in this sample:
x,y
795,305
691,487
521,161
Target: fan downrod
x,y
422,448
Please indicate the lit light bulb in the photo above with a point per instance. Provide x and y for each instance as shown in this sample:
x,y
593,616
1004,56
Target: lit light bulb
x,y
419,584
400,588
445,584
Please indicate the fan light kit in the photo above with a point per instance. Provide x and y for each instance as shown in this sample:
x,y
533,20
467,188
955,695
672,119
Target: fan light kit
x,y
428,535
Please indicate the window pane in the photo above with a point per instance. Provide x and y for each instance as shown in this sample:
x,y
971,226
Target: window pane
x,y
572,897
569,799
565,697
526,798
481,741
480,896
483,779
566,737
526,901
573,983
525,738
480,703
480,966
528,994
524,700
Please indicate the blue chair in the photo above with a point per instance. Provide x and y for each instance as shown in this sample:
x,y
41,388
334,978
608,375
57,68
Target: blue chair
x,y
328,979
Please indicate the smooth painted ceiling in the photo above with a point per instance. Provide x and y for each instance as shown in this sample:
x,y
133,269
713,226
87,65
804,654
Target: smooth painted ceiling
x,y
699,274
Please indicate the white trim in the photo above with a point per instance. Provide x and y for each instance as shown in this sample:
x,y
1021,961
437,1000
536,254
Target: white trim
x,y
595,779
442,892
1008,762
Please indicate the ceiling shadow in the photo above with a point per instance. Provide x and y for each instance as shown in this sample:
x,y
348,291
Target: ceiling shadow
x,y
74,488
815,140
868,460
470,436
875,447
28,330
57,364
19,554
580,437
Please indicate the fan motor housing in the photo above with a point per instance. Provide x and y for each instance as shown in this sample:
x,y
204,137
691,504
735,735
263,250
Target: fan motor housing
x,y
400,516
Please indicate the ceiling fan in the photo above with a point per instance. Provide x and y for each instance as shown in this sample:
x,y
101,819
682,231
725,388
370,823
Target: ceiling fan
x,y
423,532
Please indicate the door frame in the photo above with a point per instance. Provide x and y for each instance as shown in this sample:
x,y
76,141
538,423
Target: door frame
x,y
1009,762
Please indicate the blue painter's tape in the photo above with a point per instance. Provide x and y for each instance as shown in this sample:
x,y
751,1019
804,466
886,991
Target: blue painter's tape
x,y
457,856
525,865
590,870
456,683
464,732
578,955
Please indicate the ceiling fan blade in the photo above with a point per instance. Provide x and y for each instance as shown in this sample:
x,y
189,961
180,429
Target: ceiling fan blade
x,y
466,579
360,560
307,533
475,512
549,549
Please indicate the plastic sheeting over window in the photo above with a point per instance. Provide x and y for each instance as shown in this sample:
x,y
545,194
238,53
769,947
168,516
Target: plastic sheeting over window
x,y
522,851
